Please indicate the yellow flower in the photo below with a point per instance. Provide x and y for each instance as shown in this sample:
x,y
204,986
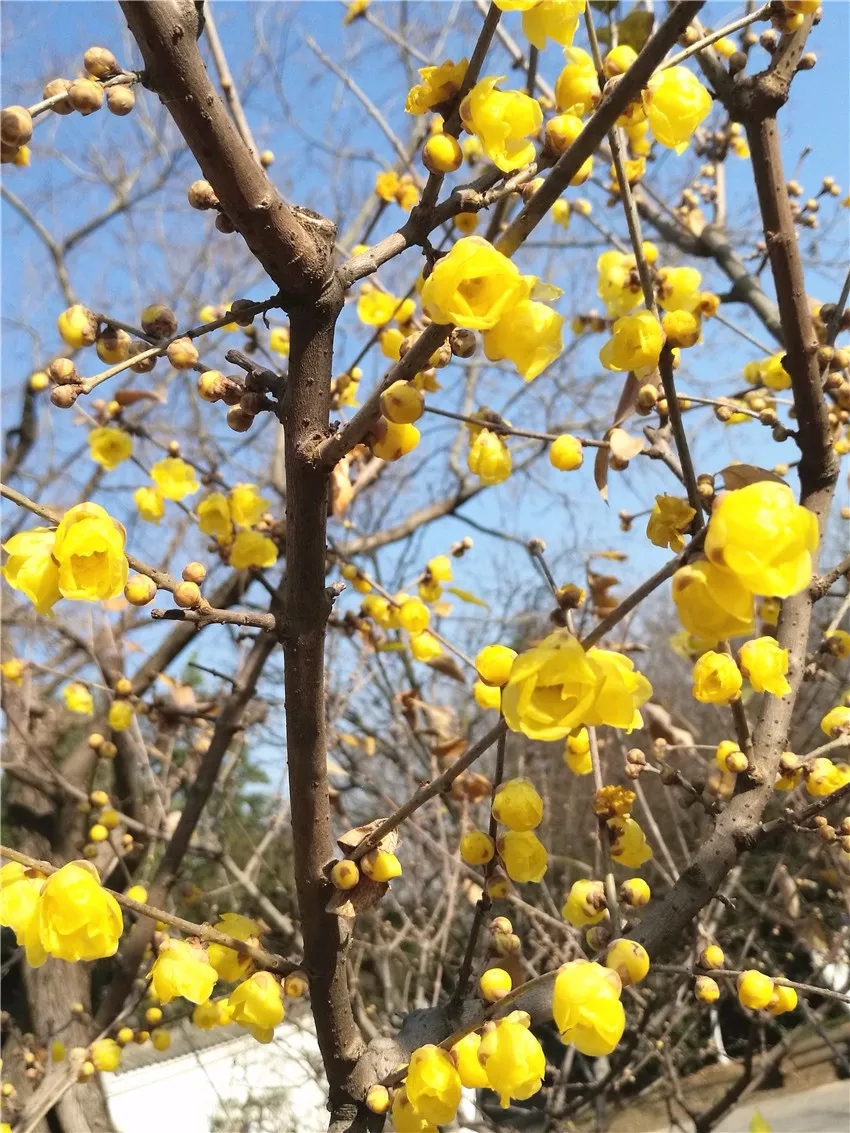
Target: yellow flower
x,y
555,19
279,341
440,568
493,664
120,715
513,1058
425,647
433,1084
390,342
838,643
764,664
465,1052
395,440
108,447
628,959
405,1117
577,87
31,567
618,284
230,964
106,1055
250,549
209,1014
515,5
174,478
613,799
407,195
577,756
561,132
635,344
489,458
89,549
676,103
386,185
77,326
628,843
257,1005
717,679
679,289
246,505
505,122
585,903
523,854
182,969
381,865
836,721
681,328
755,989
556,687
439,84
529,336
18,909
764,537
473,286
376,308
670,519
78,698
214,517
824,776
13,670
77,918
477,848
149,504
711,602
783,999
354,9
517,805
486,696
566,453
586,1007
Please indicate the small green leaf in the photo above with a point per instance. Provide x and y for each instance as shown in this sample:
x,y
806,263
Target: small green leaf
x,y
466,596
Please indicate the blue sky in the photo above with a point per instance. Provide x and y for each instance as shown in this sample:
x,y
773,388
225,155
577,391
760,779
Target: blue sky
x,y
305,115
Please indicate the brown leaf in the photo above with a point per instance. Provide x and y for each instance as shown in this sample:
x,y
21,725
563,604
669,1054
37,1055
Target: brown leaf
x,y
740,475
365,895
448,667
695,221
341,489
131,396
451,749
352,838
600,472
623,445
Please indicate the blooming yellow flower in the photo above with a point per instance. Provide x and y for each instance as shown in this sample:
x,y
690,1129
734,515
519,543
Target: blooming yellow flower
x,y
529,335
250,549
717,679
390,342
670,519
77,918
120,715
676,103
552,19
838,643
783,999
555,687
405,1117
174,478
681,328
561,132
586,1007
635,344
755,989
764,537
523,854
18,909
407,195
577,86
473,286
108,446
433,1084
486,696
13,670
106,1055
425,647
517,805
246,505
824,776
279,341
711,602
628,843
513,1058
149,503
465,1052
764,663
489,458
386,185
78,698
440,568
376,308
836,721
679,289
354,9
230,964
209,1014
618,284
89,549
257,1005
585,903
182,969
214,517
439,84
504,122
31,567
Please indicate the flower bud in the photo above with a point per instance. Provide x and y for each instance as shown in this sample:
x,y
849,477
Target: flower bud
x,y
182,354
224,224
442,154
212,385
112,346
238,420
194,572
187,595
85,96
107,750
100,63
345,874
144,365
15,126
462,342
159,321
120,100
140,590
266,158
58,86
252,402
378,1098
240,309
63,397
202,195
63,372
402,403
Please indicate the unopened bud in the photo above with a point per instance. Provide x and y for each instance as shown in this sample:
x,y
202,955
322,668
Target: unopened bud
x,y
85,96
194,572
224,224
182,354
63,397
58,86
201,195
187,595
120,101
463,342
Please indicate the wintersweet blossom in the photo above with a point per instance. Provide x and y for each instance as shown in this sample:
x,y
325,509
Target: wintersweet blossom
x,y
676,103
439,84
214,517
586,1007
78,698
228,963
635,343
523,855
585,903
577,86
629,846
530,335
108,446
77,918
517,805
32,569
175,478
251,549
489,458
257,1005
89,548
551,19
149,504
182,969
670,519
19,894
711,602
246,505
765,663
717,679
473,286
505,122
433,1084
513,1058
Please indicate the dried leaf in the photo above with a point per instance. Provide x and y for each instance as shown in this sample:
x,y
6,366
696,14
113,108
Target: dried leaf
x,y
451,749
132,396
448,667
612,556
341,489
467,596
600,472
365,895
352,838
628,397
442,609
740,475
183,695
391,647
695,221
623,445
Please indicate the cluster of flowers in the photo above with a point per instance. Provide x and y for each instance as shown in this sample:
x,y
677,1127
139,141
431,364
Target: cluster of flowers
x,y
244,508
517,806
